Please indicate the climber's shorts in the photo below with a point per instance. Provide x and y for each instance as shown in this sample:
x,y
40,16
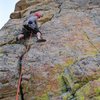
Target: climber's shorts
x,y
27,31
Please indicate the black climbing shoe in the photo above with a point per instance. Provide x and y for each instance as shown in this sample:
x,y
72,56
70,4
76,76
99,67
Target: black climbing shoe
x,y
41,40
17,39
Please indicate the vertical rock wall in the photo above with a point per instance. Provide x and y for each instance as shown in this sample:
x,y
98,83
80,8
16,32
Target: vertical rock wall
x,y
67,65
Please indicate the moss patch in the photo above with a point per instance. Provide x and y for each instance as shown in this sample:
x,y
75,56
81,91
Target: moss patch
x,y
89,90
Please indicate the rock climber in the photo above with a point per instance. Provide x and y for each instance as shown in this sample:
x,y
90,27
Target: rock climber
x,y
30,26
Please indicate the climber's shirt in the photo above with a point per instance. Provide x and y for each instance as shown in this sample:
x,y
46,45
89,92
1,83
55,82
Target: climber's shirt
x,y
31,22
30,26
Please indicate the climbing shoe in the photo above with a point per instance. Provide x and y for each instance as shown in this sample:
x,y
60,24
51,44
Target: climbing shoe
x,y
17,39
41,40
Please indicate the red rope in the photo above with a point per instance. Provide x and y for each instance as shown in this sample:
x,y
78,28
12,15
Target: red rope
x,y
19,84
20,78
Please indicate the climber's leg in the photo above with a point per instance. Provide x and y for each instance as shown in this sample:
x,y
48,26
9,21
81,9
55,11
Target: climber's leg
x,y
38,35
20,36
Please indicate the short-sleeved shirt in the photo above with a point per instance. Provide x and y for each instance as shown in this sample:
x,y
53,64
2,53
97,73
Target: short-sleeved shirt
x,y
33,19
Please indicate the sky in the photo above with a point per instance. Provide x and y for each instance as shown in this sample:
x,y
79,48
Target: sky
x,y
6,8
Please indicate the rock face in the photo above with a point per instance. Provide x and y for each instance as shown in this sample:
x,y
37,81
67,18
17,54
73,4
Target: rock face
x,y
67,65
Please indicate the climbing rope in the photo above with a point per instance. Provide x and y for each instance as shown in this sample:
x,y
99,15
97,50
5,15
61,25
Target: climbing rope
x,y
20,75
19,85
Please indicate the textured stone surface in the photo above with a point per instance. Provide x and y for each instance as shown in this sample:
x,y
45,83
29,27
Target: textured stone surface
x,y
9,65
67,65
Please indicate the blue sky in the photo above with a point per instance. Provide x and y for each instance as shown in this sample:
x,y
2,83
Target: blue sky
x,y
6,8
